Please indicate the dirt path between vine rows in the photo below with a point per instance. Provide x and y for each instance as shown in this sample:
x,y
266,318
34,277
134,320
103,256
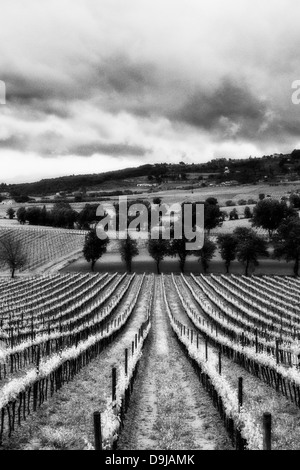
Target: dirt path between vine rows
x,y
169,410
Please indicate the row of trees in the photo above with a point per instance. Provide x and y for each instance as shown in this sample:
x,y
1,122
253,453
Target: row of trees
x,y
267,214
281,221
234,215
61,215
94,248
244,245
159,249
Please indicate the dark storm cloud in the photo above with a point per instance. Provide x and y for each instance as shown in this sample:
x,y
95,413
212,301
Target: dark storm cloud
x,y
116,74
42,95
54,145
122,75
112,149
14,142
47,144
230,100
229,103
116,84
31,88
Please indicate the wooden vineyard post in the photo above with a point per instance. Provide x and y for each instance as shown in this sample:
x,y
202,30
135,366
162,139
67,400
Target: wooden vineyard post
x,y
197,341
277,351
206,349
256,341
192,336
126,361
132,348
12,337
97,431
267,425
114,384
240,394
220,362
136,341
38,358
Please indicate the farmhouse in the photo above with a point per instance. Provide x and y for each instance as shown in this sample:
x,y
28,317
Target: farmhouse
x,y
8,201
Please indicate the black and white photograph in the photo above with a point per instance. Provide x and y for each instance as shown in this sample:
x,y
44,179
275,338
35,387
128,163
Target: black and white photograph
x,y
149,228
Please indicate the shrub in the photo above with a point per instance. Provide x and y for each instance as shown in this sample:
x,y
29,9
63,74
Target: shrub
x,y
248,214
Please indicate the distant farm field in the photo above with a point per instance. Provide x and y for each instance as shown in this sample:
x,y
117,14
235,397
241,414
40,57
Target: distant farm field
x,y
223,194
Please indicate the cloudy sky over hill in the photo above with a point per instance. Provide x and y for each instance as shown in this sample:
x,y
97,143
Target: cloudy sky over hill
x,y
99,85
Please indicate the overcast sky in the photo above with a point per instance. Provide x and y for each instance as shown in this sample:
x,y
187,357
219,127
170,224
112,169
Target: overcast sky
x,y
95,85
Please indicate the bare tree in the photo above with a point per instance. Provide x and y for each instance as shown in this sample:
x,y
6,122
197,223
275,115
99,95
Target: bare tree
x,y
12,253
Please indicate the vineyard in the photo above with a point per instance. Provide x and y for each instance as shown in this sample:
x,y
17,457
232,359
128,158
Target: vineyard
x,y
230,225
45,247
171,362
